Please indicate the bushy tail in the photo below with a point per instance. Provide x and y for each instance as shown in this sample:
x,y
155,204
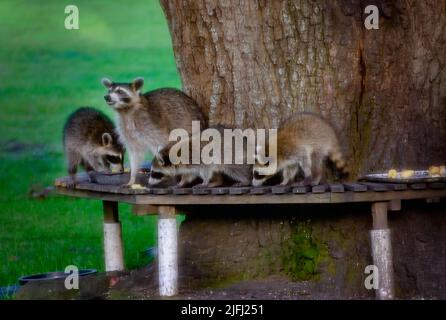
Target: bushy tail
x,y
338,159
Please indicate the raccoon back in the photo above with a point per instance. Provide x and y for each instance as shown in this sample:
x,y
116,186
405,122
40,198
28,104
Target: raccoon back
x,y
86,126
306,129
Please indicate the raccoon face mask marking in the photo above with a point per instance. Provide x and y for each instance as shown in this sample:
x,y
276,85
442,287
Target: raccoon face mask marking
x,y
122,95
110,158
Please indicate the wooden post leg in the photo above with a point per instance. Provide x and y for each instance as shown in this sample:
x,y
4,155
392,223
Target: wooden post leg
x,y
167,251
382,251
113,248
394,205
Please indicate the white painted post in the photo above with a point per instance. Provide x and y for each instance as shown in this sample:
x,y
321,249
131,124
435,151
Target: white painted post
x,y
113,248
167,251
382,251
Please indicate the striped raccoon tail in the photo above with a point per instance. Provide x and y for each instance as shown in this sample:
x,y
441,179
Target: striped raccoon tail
x,y
338,159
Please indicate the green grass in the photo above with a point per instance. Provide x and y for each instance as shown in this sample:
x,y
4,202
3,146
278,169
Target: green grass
x,y
46,72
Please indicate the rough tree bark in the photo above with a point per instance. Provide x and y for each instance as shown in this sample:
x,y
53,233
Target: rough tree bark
x,y
253,63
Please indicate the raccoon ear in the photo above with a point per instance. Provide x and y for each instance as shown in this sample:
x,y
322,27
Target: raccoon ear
x,y
138,83
158,155
107,139
106,82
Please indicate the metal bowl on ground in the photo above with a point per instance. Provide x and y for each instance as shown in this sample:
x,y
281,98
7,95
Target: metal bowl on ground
x,y
53,276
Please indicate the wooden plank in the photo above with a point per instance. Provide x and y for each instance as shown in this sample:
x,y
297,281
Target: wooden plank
x,y
437,185
355,187
280,189
336,188
239,190
260,190
418,186
396,186
161,191
182,191
111,188
220,190
81,177
321,188
301,189
187,200
201,191
378,187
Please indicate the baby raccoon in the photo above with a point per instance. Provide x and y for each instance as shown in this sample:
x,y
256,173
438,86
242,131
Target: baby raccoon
x,y
303,142
146,120
90,140
210,174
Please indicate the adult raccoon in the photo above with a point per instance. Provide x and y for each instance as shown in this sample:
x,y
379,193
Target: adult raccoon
x,y
146,120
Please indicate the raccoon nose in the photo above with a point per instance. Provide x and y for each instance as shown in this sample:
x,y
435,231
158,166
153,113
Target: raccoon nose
x,y
107,98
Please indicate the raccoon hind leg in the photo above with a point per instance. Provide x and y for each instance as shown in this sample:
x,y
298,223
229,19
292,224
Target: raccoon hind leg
x,y
316,169
242,177
289,174
305,163
185,180
73,160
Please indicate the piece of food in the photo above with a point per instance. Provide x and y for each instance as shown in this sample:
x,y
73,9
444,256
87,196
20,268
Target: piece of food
x,y
443,170
127,170
136,186
407,174
392,174
434,171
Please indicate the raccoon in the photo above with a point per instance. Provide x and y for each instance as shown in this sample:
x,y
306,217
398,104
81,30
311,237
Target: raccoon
x,y
303,143
146,120
212,175
90,140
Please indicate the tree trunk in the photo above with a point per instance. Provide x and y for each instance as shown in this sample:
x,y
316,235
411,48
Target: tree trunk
x,y
254,63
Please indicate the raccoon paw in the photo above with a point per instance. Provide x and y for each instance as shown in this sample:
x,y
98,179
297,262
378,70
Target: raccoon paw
x,y
71,185
298,184
240,184
200,185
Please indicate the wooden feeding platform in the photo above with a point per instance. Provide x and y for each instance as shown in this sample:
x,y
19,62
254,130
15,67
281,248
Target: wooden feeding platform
x,y
165,202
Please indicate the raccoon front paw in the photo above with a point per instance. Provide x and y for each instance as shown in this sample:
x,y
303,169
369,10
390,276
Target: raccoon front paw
x,y
200,185
298,184
71,185
240,184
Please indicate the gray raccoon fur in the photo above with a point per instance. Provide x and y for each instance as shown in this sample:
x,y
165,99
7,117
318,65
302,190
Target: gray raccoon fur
x,y
210,174
90,140
303,143
145,121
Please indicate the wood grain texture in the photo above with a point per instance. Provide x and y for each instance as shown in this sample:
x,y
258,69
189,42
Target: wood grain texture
x,y
241,199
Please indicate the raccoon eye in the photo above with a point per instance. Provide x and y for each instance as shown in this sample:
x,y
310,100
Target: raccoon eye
x,y
113,159
120,91
257,175
156,175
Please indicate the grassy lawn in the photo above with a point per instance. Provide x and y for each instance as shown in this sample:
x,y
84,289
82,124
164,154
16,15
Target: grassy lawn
x,y
46,72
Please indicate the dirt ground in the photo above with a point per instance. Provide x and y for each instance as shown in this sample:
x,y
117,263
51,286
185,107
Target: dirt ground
x,y
142,284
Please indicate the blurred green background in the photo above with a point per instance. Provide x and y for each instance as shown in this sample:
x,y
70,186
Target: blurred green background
x,y
46,72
